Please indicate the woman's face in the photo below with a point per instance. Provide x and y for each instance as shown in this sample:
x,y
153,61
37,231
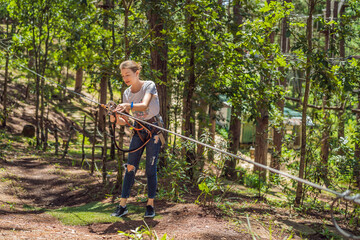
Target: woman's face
x,y
129,76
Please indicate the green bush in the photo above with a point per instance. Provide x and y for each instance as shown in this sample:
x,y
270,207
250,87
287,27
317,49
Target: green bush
x,y
175,170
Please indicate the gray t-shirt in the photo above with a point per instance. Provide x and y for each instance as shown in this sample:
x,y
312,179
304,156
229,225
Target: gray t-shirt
x,y
154,107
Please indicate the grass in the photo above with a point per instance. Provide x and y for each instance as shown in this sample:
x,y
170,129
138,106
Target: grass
x,y
95,212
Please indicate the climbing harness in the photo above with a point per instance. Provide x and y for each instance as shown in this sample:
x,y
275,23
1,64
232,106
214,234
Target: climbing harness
x,y
346,195
110,107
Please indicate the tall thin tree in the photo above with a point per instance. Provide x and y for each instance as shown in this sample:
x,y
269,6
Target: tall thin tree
x,y
188,127
278,133
309,29
159,56
235,119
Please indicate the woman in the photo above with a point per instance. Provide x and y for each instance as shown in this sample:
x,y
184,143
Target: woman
x,y
141,98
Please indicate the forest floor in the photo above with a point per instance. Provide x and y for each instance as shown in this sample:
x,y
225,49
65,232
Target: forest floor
x,y
36,187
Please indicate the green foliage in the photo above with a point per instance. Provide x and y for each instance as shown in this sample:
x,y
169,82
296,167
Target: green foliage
x,y
207,187
5,143
212,190
223,132
252,180
175,170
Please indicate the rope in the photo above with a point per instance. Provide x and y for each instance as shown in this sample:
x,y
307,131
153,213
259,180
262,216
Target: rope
x,y
345,195
149,136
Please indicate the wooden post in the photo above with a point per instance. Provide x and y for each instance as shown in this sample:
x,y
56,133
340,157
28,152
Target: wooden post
x,y
72,131
83,142
46,138
93,145
112,146
56,140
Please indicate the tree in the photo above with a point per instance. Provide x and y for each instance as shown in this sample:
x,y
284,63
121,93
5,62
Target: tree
x,y
235,120
7,35
308,50
104,74
278,134
357,145
159,56
188,126
38,21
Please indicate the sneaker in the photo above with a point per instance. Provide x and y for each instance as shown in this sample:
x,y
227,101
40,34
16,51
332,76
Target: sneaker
x,y
120,211
150,211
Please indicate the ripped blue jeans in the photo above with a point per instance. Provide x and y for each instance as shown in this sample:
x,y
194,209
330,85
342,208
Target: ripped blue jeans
x,y
152,154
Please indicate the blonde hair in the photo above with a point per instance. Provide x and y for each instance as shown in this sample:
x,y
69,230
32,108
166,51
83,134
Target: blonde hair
x,y
130,64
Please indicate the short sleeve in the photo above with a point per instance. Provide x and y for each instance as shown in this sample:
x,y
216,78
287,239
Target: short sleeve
x,y
151,88
125,96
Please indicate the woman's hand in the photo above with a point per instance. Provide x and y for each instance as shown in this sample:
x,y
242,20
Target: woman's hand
x,y
123,107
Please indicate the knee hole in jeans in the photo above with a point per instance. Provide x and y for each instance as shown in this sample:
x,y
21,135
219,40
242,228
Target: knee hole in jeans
x,y
129,167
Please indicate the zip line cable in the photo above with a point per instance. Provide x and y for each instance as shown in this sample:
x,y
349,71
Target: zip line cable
x,y
345,195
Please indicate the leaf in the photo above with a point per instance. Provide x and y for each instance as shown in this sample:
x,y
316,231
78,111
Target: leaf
x,y
203,187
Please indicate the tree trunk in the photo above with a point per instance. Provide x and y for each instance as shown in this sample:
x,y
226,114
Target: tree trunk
x,y
212,130
104,156
327,19
261,139
234,139
262,124
159,56
202,123
4,96
30,66
79,79
238,18
37,111
103,99
299,190
189,88
6,76
325,145
357,147
105,75
342,38
43,65
36,60
278,134
121,155
126,6
341,116
235,123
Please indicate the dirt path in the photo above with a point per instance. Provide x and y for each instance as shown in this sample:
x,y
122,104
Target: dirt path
x,y
29,182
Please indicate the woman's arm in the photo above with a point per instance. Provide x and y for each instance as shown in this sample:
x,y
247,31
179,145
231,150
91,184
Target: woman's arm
x,y
136,106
